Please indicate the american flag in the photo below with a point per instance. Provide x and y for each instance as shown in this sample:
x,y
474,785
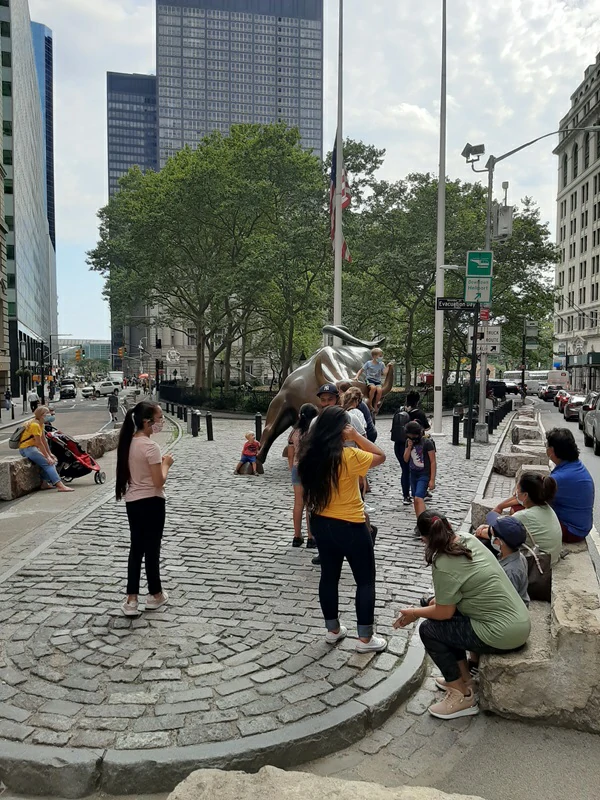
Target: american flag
x,y
346,200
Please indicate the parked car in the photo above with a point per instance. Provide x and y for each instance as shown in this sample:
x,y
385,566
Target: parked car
x,y
104,388
512,388
591,427
67,390
563,400
551,391
572,406
559,396
588,404
541,389
87,391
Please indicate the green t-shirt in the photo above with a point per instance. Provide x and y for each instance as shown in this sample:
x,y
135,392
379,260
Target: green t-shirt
x,y
543,524
481,590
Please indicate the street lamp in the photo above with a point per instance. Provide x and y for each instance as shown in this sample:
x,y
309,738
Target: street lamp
x,y
23,349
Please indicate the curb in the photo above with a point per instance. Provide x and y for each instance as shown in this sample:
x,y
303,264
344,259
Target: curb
x,y
74,773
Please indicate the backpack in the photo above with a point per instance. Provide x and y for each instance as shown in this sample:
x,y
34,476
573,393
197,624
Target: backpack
x,y
401,419
15,439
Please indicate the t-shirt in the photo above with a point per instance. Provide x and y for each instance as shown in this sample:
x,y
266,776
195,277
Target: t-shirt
x,y
371,429
419,460
251,448
294,441
32,429
33,396
357,420
418,415
515,566
481,590
113,402
374,372
543,524
345,502
142,453
574,501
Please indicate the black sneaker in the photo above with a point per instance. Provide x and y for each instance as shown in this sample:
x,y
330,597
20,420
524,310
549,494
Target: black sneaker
x,y
297,541
406,501
311,544
316,560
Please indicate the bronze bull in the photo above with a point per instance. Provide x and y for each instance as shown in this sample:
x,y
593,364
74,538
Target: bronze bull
x,y
327,365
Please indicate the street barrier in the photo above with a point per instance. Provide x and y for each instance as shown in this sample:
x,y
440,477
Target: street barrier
x,y
209,427
258,425
196,417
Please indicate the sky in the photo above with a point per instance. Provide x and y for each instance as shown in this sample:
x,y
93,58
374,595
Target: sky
x,y
512,67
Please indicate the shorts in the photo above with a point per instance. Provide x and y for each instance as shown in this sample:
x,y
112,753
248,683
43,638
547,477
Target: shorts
x,y
419,481
373,382
295,477
248,459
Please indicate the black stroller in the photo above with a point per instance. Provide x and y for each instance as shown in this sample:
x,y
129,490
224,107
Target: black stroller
x,y
73,462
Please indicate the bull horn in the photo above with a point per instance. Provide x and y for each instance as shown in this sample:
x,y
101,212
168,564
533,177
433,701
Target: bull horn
x,y
341,332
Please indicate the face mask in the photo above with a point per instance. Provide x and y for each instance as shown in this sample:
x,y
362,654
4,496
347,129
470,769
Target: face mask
x,y
49,418
158,426
496,546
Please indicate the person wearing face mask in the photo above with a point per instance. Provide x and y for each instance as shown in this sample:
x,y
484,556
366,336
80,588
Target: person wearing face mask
x,y
507,535
34,446
141,475
420,455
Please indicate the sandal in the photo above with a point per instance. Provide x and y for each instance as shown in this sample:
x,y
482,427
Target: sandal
x,y
297,541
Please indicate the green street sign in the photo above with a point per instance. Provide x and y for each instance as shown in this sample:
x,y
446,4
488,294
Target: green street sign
x,y
479,264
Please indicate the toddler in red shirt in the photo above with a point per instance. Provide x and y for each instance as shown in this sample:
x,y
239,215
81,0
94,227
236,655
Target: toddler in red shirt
x,y
249,451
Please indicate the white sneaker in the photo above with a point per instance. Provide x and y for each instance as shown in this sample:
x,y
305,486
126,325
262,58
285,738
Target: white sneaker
x,y
334,638
130,609
152,603
375,645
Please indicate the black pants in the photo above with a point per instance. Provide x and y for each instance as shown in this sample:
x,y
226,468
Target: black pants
x,y
447,640
146,524
399,448
337,539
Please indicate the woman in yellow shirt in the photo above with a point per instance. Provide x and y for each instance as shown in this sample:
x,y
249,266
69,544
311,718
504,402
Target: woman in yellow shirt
x,y
330,474
33,445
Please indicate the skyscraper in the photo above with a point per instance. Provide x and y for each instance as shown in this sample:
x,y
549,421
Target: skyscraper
x,y
30,254
43,50
131,116
221,62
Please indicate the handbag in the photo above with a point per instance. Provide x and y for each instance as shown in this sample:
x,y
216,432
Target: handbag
x,y
539,571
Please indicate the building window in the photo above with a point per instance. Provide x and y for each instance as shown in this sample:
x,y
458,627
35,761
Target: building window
x,y
8,186
11,281
7,157
586,151
12,309
6,89
10,223
10,252
7,128
575,160
191,337
5,29
6,59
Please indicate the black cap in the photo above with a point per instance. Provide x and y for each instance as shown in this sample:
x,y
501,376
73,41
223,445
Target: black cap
x,y
328,388
510,530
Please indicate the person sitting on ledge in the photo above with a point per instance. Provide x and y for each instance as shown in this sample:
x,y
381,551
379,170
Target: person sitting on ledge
x,y
573,502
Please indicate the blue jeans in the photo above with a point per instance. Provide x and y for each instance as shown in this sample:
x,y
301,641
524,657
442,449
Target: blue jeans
x,y
419,482
49,473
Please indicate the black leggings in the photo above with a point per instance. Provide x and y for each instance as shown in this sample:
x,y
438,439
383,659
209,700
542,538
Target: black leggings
x,y
146,524
447,640
337,539
399,450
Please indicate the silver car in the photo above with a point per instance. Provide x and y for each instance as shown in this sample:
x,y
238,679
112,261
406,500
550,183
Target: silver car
x,y
591,427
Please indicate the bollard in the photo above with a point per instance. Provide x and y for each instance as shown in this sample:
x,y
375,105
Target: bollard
x,y
195,423
12,411
258,425
179,412
209,427
185,412
496,418
455,429
490,421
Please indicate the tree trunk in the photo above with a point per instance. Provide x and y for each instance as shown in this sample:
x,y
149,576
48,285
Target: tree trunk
x,y
448,355
199,382
228,364
242,375
409,344
458,366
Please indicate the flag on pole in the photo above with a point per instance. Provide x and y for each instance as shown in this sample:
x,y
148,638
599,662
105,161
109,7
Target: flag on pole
x,y
346,201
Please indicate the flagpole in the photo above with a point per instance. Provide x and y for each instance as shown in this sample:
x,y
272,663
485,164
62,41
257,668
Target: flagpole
x,y
438,358
339,236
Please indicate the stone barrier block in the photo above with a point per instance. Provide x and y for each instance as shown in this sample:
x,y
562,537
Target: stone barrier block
x,y
481,507
533,448
510,463
540,469
18,477
526,421
521,433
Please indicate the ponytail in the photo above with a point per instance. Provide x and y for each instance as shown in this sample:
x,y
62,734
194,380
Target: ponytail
x,y
541,490
435,528
306,415
134,420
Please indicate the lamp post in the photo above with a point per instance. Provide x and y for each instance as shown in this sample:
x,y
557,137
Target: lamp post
x,y
23,349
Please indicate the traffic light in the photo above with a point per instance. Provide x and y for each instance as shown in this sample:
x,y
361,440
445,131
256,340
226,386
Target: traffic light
x,y
120,352
77,355
82,354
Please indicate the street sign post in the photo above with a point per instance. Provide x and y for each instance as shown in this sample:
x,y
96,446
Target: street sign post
x,y
478,290
489,339
479,264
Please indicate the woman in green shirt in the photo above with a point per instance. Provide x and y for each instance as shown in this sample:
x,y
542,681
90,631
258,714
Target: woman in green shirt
x,y
476,608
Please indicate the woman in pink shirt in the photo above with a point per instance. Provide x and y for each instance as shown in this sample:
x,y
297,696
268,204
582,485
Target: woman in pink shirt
x,y
141,475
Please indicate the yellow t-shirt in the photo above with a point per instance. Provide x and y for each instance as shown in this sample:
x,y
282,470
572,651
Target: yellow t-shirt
x,y
345,502
33,429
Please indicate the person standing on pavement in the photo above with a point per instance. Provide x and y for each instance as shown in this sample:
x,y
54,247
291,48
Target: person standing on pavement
x,y
307,413
475,607
7,399
34,446
113,406
364,410
141,475
33,399
420,455
330,478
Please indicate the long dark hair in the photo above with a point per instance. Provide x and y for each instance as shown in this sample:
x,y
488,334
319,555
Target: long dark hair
x,y
305,416
435,528
541,490
321,458
134,421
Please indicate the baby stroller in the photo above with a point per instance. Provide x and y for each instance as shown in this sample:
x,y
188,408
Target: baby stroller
x,y
73,462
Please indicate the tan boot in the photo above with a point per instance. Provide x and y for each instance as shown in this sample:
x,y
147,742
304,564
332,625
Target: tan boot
x,y
455,704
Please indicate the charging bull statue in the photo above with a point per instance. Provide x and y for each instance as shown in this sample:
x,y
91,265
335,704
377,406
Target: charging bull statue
x,y
327,365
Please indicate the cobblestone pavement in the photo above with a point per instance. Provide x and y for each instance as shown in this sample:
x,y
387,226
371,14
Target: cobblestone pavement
x,y
239,649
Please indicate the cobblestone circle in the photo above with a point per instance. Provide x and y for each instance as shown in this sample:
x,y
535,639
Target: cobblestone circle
x,y
239,649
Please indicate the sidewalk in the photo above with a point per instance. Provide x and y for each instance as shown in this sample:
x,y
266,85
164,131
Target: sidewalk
x,y
235,664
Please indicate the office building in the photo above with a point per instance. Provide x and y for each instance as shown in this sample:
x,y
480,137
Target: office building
x,y
94,349
221,62
132,125
44,64
5,382
30,254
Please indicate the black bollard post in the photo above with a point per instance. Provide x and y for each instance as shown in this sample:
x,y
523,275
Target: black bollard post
x,y
195,422
455,429
209,427
258,425
12,411
185,413
179,412
490,421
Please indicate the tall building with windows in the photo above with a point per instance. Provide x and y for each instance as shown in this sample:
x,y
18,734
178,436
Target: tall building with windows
x,y
576,332
43,50
221,62
30,254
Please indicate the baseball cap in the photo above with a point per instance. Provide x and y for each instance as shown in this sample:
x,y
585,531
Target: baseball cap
x,y
510,530
328,388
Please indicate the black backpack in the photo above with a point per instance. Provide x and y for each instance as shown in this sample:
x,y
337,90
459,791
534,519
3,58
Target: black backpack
x,y
401,419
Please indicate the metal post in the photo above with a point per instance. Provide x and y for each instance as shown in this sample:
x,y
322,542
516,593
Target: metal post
x,y
179,412
209,427
488,246
258,425
338,239
12,410
455,429
185,413
490,421
438,354
472,380
195,423
42,376
523,355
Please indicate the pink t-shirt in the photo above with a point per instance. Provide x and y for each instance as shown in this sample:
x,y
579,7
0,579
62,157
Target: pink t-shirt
x,y
142,453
